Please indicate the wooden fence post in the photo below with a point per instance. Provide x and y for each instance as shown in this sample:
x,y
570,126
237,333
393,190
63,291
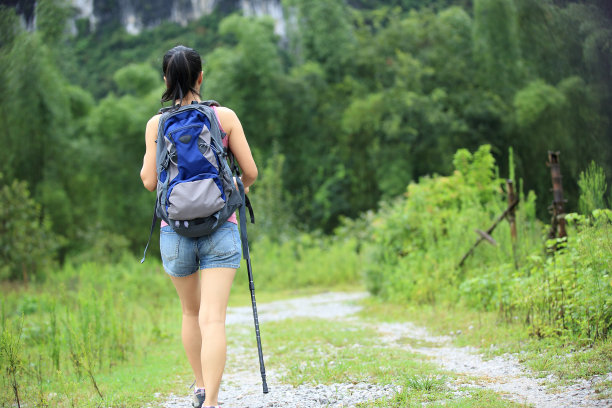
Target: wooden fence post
x,y
557,224
512,218
512,213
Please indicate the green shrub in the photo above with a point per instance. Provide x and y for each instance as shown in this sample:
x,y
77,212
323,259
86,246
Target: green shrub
x,y
27,245
419,240
571,292
99,246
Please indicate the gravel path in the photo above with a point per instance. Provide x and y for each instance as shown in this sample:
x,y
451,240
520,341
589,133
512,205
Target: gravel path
x,y
503,374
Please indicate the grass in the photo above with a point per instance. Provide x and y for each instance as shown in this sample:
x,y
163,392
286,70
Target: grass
x,y
160,371
109,330
307,351
147,362
319,351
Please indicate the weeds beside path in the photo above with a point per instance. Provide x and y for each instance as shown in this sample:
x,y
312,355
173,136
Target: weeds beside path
x,y
328,350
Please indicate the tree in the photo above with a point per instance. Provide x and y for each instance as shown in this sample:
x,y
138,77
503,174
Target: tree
x,y
324,35
51,19
496,45
245,77
137,79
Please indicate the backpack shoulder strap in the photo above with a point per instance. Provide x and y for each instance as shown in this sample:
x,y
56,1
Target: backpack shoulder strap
x,y
215,127
167,109
210,102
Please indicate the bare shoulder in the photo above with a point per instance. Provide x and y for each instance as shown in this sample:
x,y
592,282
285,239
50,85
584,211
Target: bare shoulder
x,y
152,124
227,117
154,121
224,110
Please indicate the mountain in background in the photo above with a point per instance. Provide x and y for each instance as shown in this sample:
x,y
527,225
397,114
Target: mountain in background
x,y
136,15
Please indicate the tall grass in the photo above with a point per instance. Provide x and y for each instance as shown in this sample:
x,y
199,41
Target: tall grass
x,y
84,321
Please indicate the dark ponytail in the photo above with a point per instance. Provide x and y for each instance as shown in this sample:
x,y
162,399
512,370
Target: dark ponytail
x,y
181,66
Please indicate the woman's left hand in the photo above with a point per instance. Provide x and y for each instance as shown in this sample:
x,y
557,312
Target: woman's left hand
x,y
246,189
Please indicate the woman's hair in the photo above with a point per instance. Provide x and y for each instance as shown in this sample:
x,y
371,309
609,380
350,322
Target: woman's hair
x,y
181,66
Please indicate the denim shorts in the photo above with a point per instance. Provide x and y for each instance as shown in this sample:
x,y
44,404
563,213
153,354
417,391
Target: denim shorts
x,y
183,256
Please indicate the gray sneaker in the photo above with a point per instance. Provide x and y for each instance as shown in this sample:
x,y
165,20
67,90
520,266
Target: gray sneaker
x,y
198,398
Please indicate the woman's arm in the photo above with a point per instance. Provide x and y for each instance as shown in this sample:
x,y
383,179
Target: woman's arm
x,y
148,174
238,144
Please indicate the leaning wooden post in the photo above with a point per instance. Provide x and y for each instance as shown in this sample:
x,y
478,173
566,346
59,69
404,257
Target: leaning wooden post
x,y
486,235
558,215
512,217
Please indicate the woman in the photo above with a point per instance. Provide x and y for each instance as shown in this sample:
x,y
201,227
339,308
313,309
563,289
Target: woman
x,y
203,298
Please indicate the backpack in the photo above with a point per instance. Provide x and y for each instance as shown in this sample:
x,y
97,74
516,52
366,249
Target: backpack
x,y
196,193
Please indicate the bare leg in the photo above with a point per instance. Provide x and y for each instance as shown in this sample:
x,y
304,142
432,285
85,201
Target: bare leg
x,y
188,289
216,285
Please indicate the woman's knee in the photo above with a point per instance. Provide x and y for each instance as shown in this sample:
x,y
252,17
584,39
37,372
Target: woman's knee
x,y
191,310
208,316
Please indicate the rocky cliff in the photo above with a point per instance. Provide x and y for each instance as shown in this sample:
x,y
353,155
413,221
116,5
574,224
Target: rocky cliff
x,y
135,15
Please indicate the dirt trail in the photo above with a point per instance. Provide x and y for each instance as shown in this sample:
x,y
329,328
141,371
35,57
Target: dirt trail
x,y
503,374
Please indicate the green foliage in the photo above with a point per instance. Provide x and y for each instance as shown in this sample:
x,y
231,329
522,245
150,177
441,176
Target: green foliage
x,y
137,79
9,26
358,101
232,71
571,292
496,44
271,203
306,260
51,19
26,241
113,150
419,240
323,34
11,361
414,237
592,183
32,120
534,101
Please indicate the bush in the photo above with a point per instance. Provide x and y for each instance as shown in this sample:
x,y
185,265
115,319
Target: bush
x,y
571,292
419,240
27,245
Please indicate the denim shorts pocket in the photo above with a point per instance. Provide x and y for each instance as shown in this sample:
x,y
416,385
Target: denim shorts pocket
x,y
224,241
169,242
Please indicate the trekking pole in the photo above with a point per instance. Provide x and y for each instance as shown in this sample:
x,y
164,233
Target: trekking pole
x,y
262,368
246,255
